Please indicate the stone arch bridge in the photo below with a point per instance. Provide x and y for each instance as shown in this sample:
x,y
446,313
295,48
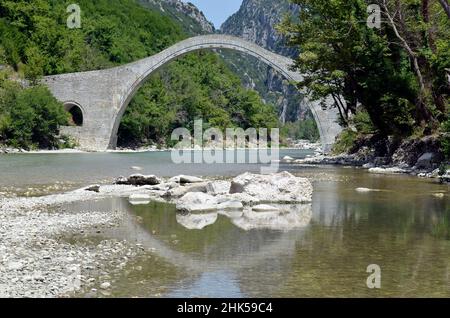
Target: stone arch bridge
x,y
98,99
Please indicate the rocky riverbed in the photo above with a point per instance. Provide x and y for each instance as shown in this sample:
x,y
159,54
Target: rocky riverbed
x,y
424,167
38,259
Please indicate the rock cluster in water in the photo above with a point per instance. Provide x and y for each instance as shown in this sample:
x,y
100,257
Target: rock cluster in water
x,y
276,201
37,261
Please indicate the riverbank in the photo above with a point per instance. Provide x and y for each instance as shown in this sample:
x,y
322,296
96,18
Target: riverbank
x,y
292,145
423,168
422,157
39,260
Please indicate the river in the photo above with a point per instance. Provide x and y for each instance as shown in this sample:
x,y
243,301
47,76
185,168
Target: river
x,y
403,227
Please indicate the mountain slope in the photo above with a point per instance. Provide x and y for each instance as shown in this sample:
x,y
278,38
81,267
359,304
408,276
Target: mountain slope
x,y
186,14
35,41
256,21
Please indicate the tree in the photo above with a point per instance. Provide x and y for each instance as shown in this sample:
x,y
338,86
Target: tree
x,y
416,33
34,68
396,73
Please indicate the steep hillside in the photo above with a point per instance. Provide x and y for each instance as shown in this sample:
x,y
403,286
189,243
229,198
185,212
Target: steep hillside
x,y
256,21
35,41
186,14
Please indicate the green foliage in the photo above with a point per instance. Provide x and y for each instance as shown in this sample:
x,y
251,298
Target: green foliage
x,y
29,118
113,32
345,141
304,129
363,123
34,39
371,68
197,86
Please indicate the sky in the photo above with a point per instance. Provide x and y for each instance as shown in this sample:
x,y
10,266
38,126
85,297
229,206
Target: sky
x,y
217,11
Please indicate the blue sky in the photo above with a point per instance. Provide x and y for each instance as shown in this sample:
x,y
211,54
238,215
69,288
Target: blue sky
x,y
217,11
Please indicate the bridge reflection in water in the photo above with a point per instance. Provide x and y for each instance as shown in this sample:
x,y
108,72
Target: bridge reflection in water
x,y
209,246
328,256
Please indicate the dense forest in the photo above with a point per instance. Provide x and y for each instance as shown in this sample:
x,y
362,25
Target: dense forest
x,y
391,81
35,41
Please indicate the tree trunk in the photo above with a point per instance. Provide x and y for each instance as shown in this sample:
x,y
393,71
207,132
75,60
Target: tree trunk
x,y
446,7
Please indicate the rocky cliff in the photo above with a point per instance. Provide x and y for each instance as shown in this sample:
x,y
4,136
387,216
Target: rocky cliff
x,y
190,17
256,21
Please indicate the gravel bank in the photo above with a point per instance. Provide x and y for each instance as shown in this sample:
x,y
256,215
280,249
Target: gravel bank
x,y
36,259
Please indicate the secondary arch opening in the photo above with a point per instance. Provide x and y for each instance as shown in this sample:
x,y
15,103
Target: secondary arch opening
x,y
76,114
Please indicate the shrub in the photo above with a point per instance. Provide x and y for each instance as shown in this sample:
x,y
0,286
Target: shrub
x,y
344,141
31,117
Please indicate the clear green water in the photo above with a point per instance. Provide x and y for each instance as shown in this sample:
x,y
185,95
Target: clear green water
x,y
404,228
37,174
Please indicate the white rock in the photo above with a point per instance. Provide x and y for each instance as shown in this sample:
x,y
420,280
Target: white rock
x,y
105,285
280,187
197,201
231,214
230,205
393,170
218,187
175,179
182,190
186,179
15,266
246,199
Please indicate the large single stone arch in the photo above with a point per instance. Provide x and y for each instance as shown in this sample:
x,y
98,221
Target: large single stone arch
x,y
105,94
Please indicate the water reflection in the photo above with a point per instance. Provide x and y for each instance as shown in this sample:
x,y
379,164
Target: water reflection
x,y
303,251
196,221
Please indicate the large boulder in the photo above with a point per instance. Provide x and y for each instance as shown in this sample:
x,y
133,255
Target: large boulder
x,y
427,161
230,206
218,187
197,202
186,179
182,190
280,187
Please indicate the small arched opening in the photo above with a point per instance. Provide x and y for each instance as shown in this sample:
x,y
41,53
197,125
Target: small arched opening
x,y
76,114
